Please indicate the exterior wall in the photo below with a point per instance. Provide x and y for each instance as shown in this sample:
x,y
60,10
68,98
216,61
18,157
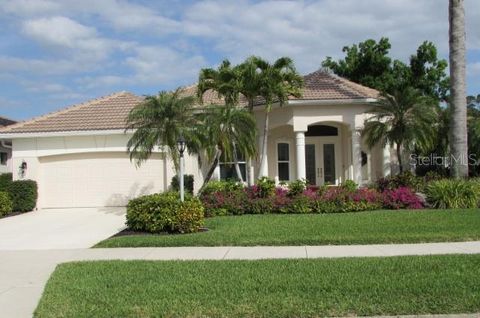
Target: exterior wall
x,y
34,150
285,121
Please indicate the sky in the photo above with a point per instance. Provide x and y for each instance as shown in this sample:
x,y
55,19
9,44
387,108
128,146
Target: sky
x,y
54,53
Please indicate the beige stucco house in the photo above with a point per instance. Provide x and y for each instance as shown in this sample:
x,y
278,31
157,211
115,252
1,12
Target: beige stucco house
x,y
78,154
5,148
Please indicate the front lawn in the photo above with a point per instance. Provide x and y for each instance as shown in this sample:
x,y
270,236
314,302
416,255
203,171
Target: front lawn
x,y
268,288
402,226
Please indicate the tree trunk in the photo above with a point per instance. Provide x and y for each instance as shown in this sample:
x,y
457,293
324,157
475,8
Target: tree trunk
x,y
264,148
399,157
210,172
458,131
237,166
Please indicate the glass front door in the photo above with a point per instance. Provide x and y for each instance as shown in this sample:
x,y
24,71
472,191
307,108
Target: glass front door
x,y
329,176
310,165
320,163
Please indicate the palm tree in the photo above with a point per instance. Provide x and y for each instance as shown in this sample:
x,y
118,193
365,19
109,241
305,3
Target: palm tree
x,y
159,121
226,82
277,82
458,132
225,130
405,119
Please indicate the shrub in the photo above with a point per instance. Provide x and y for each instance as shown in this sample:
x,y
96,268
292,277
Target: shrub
x,y
453,194
405,179
401,198
188,217
297,187
261,206
223,202
188,182
300,204
216,186
23,194
5,180
349,185
162,212
6,205
266,187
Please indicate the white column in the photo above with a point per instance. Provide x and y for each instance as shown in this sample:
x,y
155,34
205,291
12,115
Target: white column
x,y
300,147
387,169
356,157
263,169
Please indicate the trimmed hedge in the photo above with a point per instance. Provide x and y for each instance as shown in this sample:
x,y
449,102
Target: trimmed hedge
x,y
5,180
164,212
23,194
6,205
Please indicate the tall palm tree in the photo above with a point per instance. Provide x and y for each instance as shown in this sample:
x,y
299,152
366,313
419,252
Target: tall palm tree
x,y
405,119
458,132
226,81
159,121
225,130
277,82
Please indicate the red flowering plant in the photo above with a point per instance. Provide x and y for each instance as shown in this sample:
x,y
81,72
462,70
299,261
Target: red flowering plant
x,y
401,198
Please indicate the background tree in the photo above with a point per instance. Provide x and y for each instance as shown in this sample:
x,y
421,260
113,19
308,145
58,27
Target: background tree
x,y
159,121
405,120
473,126
458,132
368,63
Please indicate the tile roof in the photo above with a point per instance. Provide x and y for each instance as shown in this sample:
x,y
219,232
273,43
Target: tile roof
x,y
319,85
110,112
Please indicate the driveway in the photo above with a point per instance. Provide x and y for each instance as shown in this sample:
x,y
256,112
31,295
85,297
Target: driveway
x,y
60,228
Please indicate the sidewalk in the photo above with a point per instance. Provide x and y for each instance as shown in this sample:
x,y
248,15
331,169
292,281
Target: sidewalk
x,y
23,274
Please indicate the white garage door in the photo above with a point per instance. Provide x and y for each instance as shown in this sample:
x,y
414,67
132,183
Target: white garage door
x,y
96,179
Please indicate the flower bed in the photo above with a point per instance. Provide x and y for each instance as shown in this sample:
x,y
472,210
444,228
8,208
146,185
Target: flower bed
x,y
228,198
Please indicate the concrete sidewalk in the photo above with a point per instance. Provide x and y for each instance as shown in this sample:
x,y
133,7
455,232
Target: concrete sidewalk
x,y
23,274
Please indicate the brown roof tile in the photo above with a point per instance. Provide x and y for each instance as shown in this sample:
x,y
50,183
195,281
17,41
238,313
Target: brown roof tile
x,y
109,112
319,85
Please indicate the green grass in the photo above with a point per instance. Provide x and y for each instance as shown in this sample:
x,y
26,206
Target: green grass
x,y
268,288
317,229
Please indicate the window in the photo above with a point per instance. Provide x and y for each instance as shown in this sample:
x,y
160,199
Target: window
x,y
283,161
3,158
227,168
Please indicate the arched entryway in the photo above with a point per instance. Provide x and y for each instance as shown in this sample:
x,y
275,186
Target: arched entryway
x,y
324,154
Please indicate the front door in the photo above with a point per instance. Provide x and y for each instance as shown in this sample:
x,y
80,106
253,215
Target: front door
x,y
322,162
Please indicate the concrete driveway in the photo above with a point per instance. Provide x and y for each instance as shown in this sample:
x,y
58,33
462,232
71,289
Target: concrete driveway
x,y
60,228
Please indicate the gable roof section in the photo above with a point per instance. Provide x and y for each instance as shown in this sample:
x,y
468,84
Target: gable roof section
x,y
110,112
104,113
323,85
319,85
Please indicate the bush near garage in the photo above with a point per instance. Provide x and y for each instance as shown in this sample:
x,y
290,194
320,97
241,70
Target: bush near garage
x,y
24,194
164,212
6,205
5,180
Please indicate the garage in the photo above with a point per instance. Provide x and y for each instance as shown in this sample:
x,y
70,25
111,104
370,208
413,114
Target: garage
x,y
97,179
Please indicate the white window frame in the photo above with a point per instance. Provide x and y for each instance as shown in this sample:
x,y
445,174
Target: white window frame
x,y
220,163
289,161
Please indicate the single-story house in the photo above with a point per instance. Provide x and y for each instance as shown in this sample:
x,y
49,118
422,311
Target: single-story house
x,y
5,148
78,154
